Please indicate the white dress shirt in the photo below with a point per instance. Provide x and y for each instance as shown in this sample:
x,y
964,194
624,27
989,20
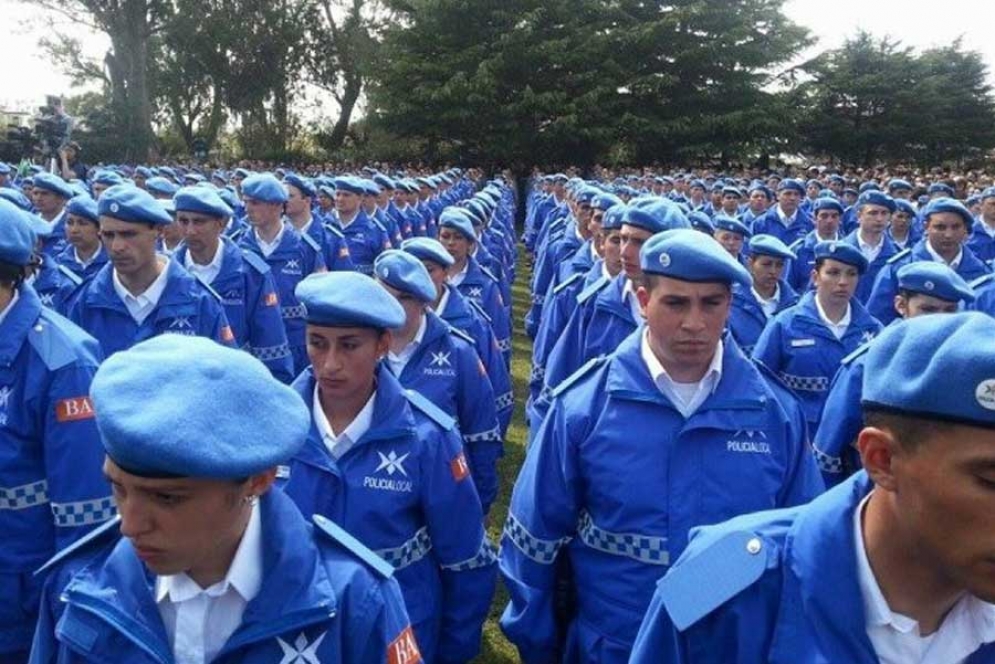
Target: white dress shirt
x,y
85,263
686,397
954,264
8,308
142,305
785,219
769,307
869,251
269,247
629,297
199,621
443,301
838,329
896,638
207,273
339,444
457,279
397,362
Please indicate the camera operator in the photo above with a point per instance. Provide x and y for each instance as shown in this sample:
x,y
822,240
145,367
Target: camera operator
x,y
72,167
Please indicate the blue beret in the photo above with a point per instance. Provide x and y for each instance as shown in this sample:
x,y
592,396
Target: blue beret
x,y
143,171
241,173
220,176
614,217
185,406
84,206
193,178
35,169
202,200
17,238
477,210
161,185
586,194
791,184
938,187
769,245
384,181
988,193
696,183
350,184
348,299
868,186
304,185
904,206
898,184
428,249
814,183
764,189
370,188
936,279
684,254
17,197
229,197
656,215
729,189
558,177
264,187
933,367
4,168
126,202
701,221
458,219
843,252
107,177
837,178
827,204
54,184
405,272
723,222
948,205
973,200
850,190
875,197
605,201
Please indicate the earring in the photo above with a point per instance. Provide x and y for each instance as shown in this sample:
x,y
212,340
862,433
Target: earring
x,y
250,499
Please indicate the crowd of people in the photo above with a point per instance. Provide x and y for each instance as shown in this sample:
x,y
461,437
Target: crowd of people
x,y
256,415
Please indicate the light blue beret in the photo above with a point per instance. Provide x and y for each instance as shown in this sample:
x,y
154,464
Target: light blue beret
x,y
17,239
85,207
851,191
241,173
898,184
586,194
936,279
769,245
229,197
303,184
684,254
868,186
814,183
605,201
730,189
477,210
428,249
427,182
348,299
933,367
40,227
655,215
350,184
875,197
127,202
35,169
764,189
458,219
4,168
904,206
702,222
791,184
144,172
973,200
558,177
843,252
202,200
161,185
948,205
193,178
264,187
406,273
696,183
938,187
107,177
185,406
17,197
988,193
612,221
384,181
54,184
724,222
837,178
827,204
370,188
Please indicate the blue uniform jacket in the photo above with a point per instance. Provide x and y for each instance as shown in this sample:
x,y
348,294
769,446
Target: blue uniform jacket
x,y
483,288
747,319
548,264
447,370
618,477
67,257
797,600
771,224
186,307
984,291
404,490
56,285
805,354
866,281
252,306
799,270
365,240
981,243
565,265
52,488
334,248
295,258
324,598
56,241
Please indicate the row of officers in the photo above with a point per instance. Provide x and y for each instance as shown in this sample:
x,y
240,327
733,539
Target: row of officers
x,y
669,429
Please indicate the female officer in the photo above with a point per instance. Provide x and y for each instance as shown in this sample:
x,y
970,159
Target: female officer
x,y
731,234
806,343
769,294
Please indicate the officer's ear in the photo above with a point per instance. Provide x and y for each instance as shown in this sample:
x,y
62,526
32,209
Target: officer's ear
x,y
643,295
383,343
902,306
259,483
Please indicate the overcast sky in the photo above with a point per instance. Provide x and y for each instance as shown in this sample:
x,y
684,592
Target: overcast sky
x,y
25,77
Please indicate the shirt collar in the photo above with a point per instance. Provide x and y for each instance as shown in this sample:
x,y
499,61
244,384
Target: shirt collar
x,y
415,342
844,322
773,299
337,445
876,610
276,240
9,307
443,301
785,219
215,263
865,246
152,293
954,264
659,374
85,263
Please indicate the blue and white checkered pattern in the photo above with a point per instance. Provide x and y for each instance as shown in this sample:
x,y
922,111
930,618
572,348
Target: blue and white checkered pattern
x,y
484,436
504,345
644,548
540,550
296,311
487,555
266,353
538,373
24,496
828,463
84,512
410,552
506,400
538,299
806,383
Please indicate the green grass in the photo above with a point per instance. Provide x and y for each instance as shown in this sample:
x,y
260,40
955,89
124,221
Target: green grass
x,y
495,649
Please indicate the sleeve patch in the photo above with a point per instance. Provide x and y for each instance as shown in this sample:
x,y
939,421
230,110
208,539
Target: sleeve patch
x,y
227,335
74,409
459,467
404,649
271,300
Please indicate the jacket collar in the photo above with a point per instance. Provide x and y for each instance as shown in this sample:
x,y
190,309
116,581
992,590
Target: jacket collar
x,y
18,323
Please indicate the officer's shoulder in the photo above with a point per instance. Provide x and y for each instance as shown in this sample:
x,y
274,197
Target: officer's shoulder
x,y
206,286
58,342
488,273
429,409
983,280
331,228
479,310
721,562
331,532
574,378
797,244
310,241
775,384
572,279
901,255
69,274
104,535
461,335
255,261
593,289
859,351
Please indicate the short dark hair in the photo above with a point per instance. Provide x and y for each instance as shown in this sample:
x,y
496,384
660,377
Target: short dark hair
x,y
11,275
909,430
650,280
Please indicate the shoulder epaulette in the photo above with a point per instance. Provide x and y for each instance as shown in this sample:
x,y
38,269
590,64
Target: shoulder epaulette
x,y
256,261
573,378
99,535
208,287
378,224
860,350
337,534
731,565
593,289
566,282
310,242
477,307
69,274
488,273
797,244
51,345
331,228
237,234
462,335
899,256
981,281
428,408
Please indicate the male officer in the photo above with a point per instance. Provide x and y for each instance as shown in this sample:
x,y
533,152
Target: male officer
x,y
769,294
873,210
982,240
675,429
334,248
826,214
785,221
207,563
388,466
50,452
137,295
55,284
50,193
893,565
364,237
84,253
241,278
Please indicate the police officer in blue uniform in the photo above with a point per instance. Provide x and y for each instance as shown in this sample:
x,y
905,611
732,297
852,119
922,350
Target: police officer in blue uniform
x,y
55,284
50,451
805,344
904,230
873,211
334,248
826,214
207,563
675,429
440,363
84,254
137,295
982,240
769,294
388,466
240,278
890,567
50,193
731,233
785,220
364,237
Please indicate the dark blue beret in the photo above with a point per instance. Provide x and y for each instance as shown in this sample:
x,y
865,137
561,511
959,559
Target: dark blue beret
x,y
940,187
701,222
898,184
875,197
936,279
791,184
17,197
948,205
723,222
827,204
17,238
769,245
